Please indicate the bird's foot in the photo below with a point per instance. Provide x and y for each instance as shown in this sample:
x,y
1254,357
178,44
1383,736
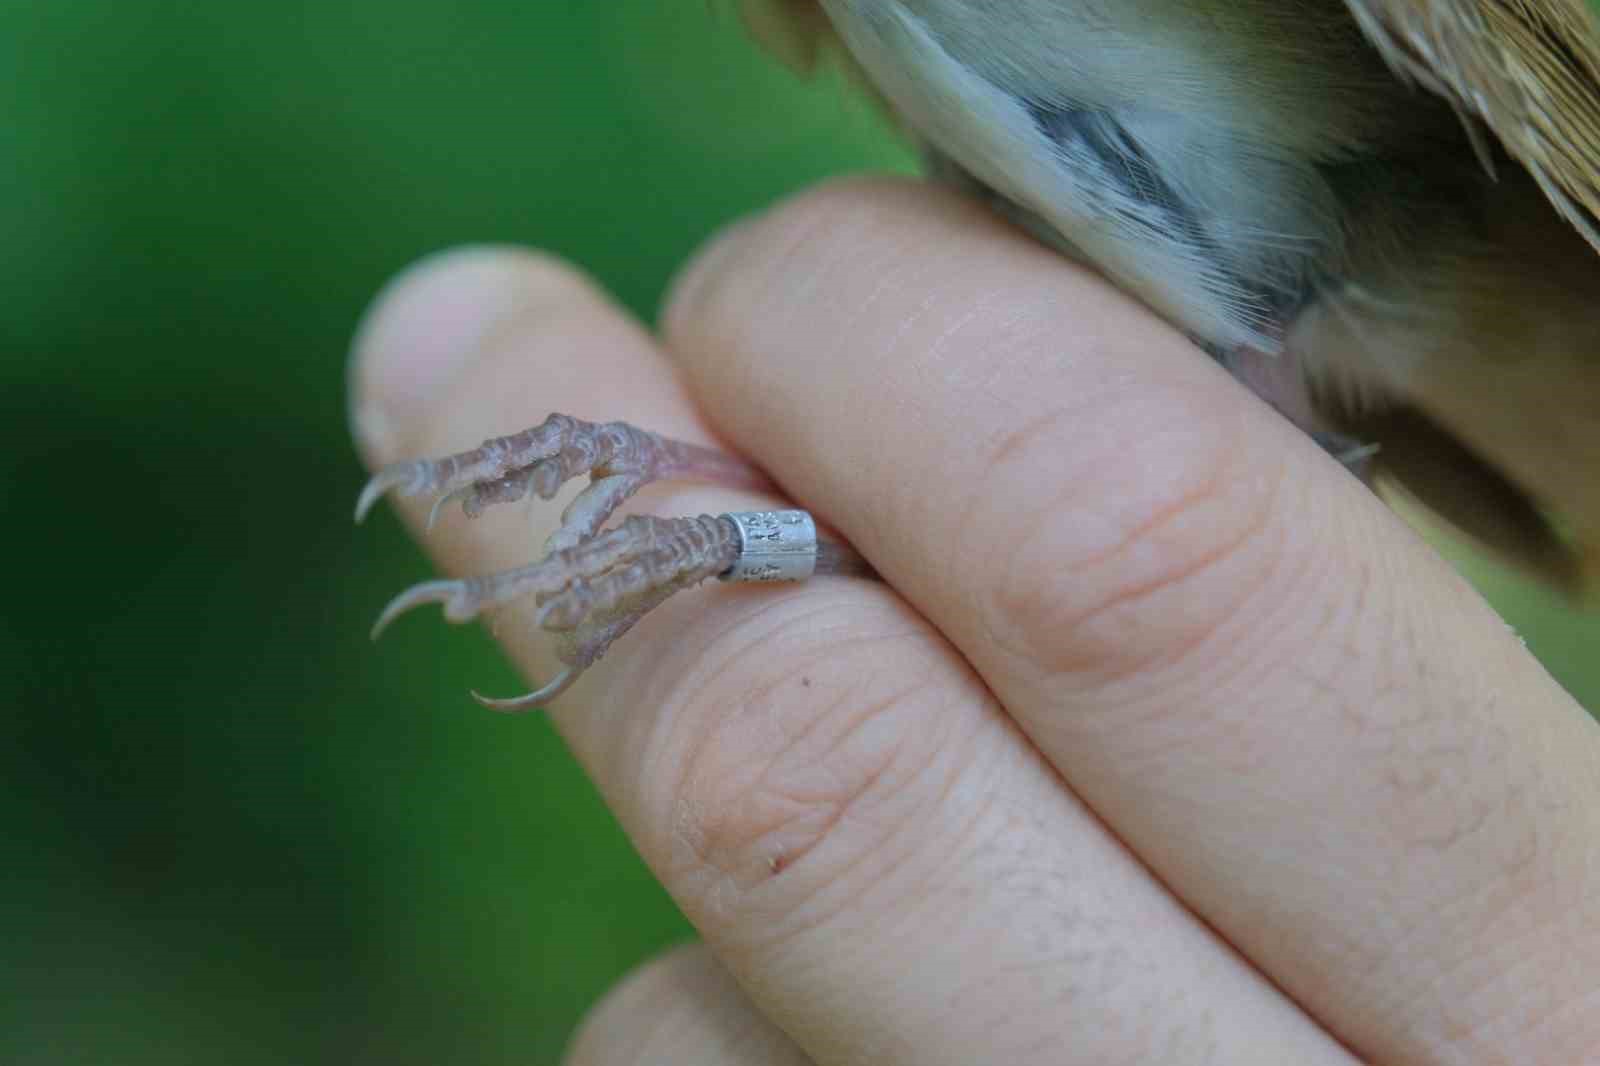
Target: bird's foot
x,y
619,459
590,594
591,587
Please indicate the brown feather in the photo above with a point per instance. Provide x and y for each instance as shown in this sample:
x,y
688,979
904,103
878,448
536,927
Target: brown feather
x,y
795,32
1530,69
799,34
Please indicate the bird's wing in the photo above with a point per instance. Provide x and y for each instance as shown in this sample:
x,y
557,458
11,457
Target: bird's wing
x,y
1530,69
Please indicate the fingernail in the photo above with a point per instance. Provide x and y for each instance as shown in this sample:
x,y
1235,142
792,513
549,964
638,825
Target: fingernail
x,y
422,330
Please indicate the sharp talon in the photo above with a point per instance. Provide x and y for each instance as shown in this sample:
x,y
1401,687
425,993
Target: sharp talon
x,y
407,477
371,493
593,584
427,592
438,505
531,701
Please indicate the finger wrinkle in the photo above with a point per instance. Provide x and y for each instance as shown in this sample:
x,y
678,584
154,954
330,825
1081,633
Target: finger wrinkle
x,y
774,779
1186,559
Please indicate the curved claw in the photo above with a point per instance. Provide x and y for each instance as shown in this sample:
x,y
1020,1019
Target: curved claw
x,y
438,505
450,593
521,704
409,478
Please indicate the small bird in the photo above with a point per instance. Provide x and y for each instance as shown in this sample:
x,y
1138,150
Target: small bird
x,y
1383,215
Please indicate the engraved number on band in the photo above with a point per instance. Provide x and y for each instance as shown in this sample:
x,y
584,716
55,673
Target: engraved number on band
x,y
774,546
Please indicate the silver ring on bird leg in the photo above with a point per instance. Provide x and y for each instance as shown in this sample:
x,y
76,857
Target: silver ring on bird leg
x,y
773,546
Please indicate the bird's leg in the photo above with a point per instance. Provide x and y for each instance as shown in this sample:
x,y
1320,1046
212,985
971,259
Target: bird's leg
x,y
591,586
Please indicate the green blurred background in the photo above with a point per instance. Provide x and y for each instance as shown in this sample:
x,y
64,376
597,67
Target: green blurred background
x,y
235,830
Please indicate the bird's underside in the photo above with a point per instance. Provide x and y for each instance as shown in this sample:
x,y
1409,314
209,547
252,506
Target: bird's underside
x,y
1280,216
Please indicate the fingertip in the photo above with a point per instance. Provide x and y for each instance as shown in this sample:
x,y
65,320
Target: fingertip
x,y
736,261
429,323
687,289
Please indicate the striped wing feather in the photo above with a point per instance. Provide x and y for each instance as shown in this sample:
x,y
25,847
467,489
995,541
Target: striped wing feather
x,y
1530,69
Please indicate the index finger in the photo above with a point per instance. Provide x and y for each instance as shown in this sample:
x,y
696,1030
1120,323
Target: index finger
x,y
1297,714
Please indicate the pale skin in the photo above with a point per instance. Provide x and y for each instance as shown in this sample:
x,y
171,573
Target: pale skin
x,y
1161,740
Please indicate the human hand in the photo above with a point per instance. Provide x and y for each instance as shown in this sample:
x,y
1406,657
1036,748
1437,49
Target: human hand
x,y
1162,740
